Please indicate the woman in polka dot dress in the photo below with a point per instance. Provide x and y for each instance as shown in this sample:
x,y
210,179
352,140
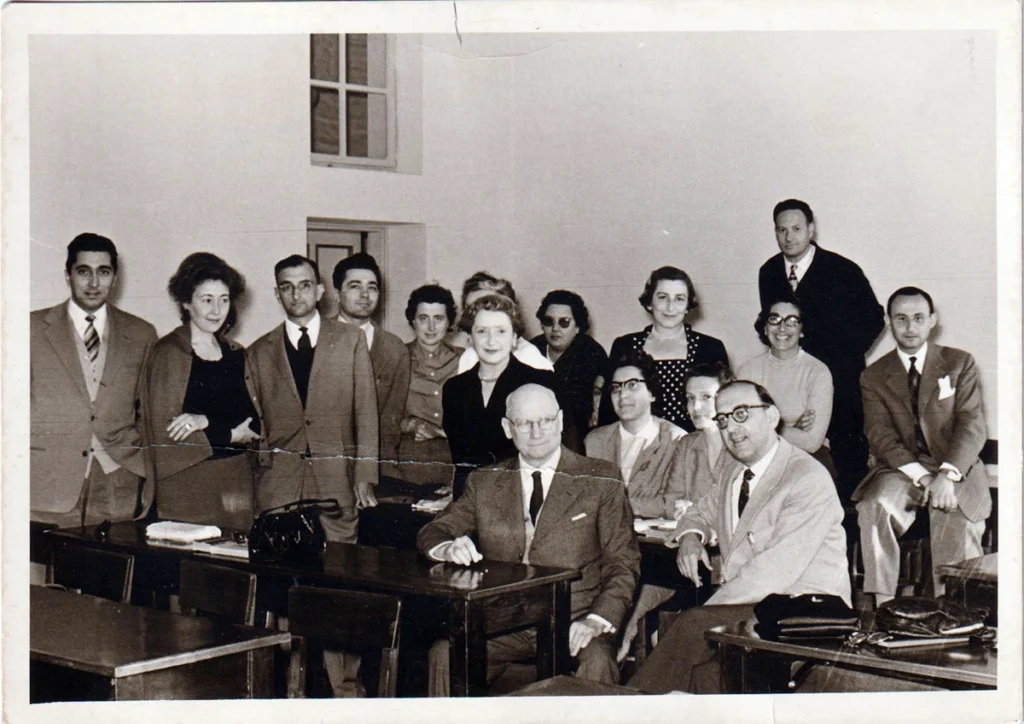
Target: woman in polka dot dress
x,y
674,345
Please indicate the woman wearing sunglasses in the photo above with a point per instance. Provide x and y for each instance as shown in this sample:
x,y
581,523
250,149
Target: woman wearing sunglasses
x,y
578,358
800,383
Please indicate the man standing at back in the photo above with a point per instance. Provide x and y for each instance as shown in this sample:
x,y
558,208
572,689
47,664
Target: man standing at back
x,y
842,319
357,281
87,460
925,423
315,392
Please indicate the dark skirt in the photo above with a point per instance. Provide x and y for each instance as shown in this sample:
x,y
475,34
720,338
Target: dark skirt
x,y
214,492
422,463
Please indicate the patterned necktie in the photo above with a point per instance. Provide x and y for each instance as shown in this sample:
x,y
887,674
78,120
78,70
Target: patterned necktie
x,y
92,339
537,499
748,475
793,281
914,383
305,345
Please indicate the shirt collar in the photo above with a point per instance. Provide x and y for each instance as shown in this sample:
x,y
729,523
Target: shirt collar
x,y
801,266
78,315
549,465
761,465
648,432
918,356
312,328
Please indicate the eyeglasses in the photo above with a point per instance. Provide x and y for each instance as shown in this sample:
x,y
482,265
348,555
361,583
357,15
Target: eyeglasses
x,y
545,424
304,287
629,385
792,321
563,322
740,415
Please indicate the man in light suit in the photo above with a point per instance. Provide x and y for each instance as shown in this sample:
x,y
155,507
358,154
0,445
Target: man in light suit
x,y
357,281
777,520
315,392
842,317
548,507
87,451
925,424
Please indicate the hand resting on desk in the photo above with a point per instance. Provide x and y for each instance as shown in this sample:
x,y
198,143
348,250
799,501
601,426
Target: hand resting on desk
x,y
462,551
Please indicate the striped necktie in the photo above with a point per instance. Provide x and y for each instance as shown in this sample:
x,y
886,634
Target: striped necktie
x,y
92,339
793,281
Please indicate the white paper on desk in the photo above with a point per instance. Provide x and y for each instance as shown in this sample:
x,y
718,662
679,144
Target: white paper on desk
x,y
181,532
432,506
645,525
226,548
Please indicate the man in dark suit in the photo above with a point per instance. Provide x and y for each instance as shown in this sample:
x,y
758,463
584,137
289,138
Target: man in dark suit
x,y
842,319
315,392
357,280
87,450
924,421
548,507
776,518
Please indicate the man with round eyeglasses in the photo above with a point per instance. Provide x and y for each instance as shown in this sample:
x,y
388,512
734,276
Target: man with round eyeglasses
x,y
776,517
548,507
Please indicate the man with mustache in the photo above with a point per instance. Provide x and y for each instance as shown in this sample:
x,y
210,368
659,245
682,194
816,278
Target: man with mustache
x,y
775,515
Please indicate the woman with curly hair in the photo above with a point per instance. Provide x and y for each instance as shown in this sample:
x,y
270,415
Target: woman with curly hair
x,y
198,409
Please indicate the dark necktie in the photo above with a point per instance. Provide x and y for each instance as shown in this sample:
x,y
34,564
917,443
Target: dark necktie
x,y
748,475
537,499
793,281
304,343
914,383
92,339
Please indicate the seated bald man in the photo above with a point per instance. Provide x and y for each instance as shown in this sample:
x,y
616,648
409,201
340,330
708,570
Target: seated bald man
x,y
775,514
548,507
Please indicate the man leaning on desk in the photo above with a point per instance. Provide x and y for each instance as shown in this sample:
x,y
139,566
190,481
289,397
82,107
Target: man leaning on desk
x,y
777,520
548,507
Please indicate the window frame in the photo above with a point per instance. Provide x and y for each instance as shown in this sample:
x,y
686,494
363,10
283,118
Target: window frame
x,y
390,162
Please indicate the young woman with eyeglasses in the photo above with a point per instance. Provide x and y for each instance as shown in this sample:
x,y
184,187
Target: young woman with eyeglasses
x,y
578,358
800,383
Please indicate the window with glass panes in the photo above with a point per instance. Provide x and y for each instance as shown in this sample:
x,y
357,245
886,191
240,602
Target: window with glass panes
x,y
352,100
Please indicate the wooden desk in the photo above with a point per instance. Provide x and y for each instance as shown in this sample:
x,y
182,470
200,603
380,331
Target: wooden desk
x,y
975,583
472,603
751,665
86,648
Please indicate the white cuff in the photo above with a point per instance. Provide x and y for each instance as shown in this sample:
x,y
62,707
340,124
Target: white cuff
x,y
433,554
955,475
914,471
606,627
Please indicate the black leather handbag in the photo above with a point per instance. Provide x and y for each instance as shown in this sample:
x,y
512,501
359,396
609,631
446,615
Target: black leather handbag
x,y
921,617
808,616
291,531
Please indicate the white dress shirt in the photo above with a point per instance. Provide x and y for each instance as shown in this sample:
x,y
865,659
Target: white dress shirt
x,y
78,315
758,469
632,445
294,333
366,326
802,265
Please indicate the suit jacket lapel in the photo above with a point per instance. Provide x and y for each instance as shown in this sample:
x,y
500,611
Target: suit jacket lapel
x,y
934,368
896,379
61,335
284,368
769,479
321,356
508,493
560,496
118,341
726,474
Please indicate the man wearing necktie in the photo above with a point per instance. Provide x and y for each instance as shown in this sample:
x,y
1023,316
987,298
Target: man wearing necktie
x,y
924,421
87,451
549,507
775,516
842,318
318,406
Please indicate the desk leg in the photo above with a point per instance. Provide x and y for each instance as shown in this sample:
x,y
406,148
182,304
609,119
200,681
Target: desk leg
x,y
468,649
260,673
553,635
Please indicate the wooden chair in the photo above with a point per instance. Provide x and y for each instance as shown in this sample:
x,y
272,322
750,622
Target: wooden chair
x,y
346,620
219,592
94,573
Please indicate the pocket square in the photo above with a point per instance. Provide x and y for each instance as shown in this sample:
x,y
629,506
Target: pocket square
x,y
945,388
581,516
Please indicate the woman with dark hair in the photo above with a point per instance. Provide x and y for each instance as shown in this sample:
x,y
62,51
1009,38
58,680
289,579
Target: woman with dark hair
x,y
578,358
198,408
481,284
800,383
673,344
423,455
474,401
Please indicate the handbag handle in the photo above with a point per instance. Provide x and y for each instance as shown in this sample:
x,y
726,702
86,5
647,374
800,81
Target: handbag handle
x,y
328,505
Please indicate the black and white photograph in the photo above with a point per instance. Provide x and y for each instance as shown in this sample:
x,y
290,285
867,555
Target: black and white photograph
x,y
560,351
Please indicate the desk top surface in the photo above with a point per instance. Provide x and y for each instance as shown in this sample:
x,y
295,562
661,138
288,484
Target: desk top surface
x,y
983,568
965,664
117,640
383,569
